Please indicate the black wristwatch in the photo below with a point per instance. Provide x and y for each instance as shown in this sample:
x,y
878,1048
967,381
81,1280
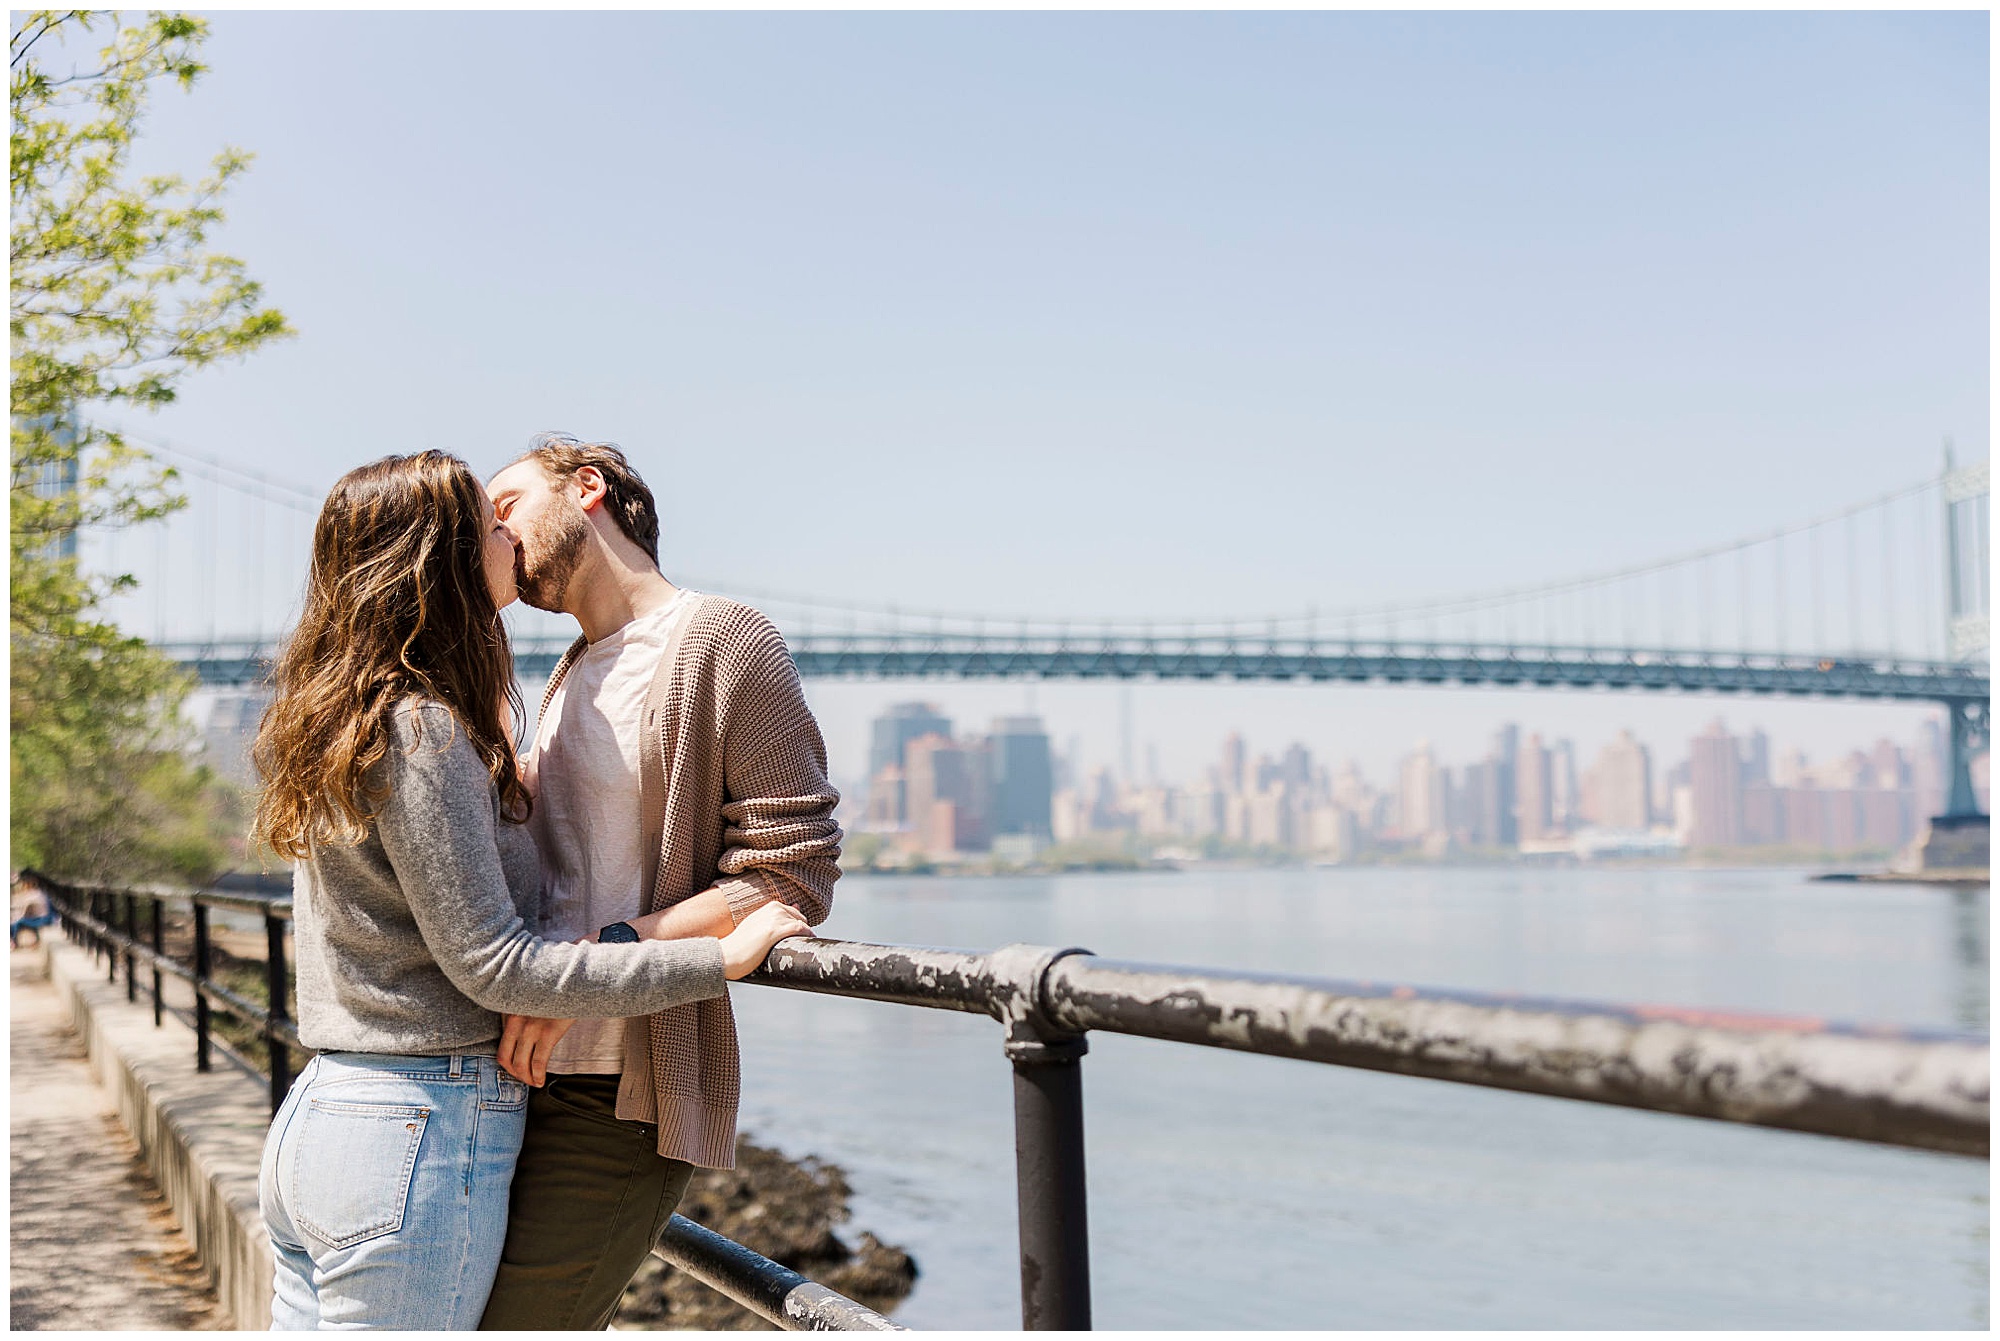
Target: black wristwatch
x,y
618,933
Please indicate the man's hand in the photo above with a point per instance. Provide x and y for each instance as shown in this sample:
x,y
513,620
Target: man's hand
x,y
525,1044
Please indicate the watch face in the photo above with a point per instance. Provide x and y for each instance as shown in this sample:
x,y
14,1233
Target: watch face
x,y
618,933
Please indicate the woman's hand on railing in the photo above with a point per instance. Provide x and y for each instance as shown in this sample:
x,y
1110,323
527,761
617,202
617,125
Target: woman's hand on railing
x,y
763,927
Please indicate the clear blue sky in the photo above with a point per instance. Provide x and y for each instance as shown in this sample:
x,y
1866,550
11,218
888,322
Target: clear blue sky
x,y
1151,314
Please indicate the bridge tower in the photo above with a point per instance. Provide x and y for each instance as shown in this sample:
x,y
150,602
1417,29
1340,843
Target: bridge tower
x,y
1961,837
1967,496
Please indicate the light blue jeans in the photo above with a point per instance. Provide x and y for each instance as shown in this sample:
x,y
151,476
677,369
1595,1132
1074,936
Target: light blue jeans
x,y
384,1188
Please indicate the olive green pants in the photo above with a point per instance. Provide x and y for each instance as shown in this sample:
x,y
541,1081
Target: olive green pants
x,y
591,1195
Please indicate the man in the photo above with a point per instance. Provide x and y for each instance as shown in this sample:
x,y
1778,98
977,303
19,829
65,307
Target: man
x,y
679,782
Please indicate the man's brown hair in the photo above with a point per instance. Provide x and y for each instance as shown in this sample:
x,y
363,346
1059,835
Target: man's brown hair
x,y
626,496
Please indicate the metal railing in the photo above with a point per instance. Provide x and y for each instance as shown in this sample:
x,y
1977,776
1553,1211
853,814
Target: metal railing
x,y
1924,1089
110,924
1911,1087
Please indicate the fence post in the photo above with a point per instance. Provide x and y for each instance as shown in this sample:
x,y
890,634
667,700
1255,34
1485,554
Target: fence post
x,y
159,949
274,972
131,947
201,967
108,921
1048,1149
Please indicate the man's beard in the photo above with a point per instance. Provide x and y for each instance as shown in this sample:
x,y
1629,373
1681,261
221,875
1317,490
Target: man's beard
x,y
543,578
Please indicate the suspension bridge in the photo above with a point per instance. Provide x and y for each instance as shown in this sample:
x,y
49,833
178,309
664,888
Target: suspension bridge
x,y
1884,600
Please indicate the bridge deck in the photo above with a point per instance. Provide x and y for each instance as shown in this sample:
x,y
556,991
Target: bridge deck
x,y
975,657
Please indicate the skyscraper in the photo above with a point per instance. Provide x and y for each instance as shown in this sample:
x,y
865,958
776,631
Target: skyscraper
x,y
888,792
1562,786
1232,763
1620,785
1499,803
1715,777
1532,789
946,782
1023,777
1472,815
1420,807
897,727
1756,757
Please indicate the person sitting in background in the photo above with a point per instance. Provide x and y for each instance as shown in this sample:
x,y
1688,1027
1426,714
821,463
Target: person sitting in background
x,y
30,914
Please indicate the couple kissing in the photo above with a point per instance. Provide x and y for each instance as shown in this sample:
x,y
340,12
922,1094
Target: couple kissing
x,y
513,966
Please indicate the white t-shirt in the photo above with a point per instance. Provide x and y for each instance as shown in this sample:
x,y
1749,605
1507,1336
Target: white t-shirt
x,y
583,771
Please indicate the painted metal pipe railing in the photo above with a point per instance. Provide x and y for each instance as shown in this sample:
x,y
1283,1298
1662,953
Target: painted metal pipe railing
x,y
1911,1087
777,1294
1925,1089
106,920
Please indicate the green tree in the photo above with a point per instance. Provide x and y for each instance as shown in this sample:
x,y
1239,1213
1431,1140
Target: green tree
x,y
114,298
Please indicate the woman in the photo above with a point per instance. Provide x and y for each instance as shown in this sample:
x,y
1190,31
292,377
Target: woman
x,y
390,782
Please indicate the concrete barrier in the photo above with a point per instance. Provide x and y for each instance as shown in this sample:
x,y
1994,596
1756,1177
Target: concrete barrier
x,y
201,1135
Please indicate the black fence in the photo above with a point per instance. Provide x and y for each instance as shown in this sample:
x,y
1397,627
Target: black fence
x,y
130,925
1925,1089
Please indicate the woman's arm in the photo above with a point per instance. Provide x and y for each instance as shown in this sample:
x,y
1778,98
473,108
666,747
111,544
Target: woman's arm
x,y
437,828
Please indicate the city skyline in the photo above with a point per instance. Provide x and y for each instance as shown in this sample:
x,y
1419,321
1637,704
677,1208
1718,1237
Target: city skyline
x,y
1375,725
939,792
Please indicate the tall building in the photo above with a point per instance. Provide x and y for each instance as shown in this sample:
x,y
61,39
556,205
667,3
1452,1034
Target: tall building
x,y
1500,799
948,794
900,725
1620,785
1533,790
1756,757
1232,763
1420,810
1715,779
888,802
1890,768
1023,777
1563,800
1472,808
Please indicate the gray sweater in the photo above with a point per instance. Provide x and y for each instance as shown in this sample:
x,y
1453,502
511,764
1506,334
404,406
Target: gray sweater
x,y
411,940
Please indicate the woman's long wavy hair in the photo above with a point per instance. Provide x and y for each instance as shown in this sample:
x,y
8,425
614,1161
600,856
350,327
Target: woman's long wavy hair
x,y
396,605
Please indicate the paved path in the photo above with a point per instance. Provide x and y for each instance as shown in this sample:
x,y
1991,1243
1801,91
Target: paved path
x,y
94,1246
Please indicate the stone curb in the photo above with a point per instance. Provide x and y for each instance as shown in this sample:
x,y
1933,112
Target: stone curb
x,y
202,1136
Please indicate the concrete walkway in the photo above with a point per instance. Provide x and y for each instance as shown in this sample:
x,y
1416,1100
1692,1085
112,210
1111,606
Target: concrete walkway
x,y
93,1244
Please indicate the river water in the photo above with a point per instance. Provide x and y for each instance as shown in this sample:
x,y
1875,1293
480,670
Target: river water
x,y
1235,1191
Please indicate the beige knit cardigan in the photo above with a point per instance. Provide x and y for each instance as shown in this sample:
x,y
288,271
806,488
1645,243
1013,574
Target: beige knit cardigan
x,y
733,796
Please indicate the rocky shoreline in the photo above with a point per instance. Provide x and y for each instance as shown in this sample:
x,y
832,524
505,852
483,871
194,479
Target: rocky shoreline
x,y
785,1209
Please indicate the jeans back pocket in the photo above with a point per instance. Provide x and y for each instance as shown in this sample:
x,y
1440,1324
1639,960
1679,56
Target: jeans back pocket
x,y
351,1169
